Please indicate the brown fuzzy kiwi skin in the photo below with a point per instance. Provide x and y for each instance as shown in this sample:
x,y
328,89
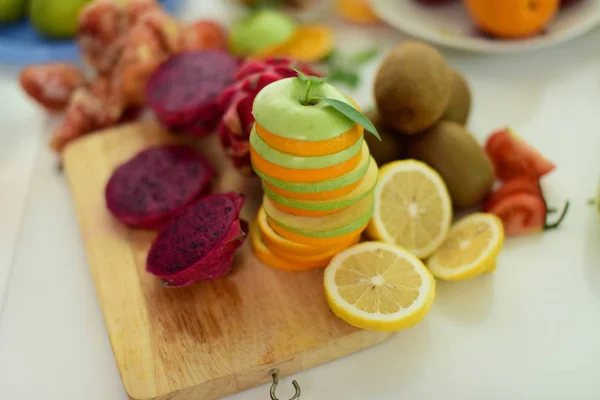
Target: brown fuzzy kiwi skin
x,y
393,145
455,154
459,105
412,87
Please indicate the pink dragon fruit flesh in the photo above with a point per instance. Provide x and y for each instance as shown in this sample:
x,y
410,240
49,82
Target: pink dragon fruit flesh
x,y
282,66
183,90
156,184
237,121
199,244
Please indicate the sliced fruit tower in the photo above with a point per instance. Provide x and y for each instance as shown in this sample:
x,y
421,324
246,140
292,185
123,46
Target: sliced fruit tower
x,y
237,99
317,174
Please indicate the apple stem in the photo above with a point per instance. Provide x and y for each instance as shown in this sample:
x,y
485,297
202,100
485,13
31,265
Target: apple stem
x,y
306,97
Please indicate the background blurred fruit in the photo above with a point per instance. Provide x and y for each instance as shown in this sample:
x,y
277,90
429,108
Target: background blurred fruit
x,y
412,87
261,30
51,85
455,154
309,43
512,18
460,100
204,35
435,2
357,11
12,10
56,18
564,3
393,145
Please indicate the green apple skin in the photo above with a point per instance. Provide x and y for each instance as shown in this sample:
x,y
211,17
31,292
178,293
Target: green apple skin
x,y
353,226
261,30
297,162
12,10
278,108
325,223
347,179
365,187
56,18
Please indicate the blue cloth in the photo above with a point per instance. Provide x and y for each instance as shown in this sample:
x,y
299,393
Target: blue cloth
x,y
21,45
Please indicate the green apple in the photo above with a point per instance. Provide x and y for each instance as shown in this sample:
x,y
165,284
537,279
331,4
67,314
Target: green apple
x,y
12,10
261,30
297,162
314,187
278,108
326,226
56,18
366,186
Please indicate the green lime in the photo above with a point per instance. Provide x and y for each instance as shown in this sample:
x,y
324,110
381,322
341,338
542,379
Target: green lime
x,y
260,30
56,18
12,10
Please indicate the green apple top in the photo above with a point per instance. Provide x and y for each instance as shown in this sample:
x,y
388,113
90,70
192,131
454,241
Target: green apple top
x,y
280,110
260,30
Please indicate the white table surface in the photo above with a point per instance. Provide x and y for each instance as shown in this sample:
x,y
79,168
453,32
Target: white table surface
x,y
529,331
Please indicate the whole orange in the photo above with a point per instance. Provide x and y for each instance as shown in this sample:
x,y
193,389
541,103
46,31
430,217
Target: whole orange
x,y
512,19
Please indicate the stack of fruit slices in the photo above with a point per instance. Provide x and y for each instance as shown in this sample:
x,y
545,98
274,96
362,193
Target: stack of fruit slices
x,y
317,174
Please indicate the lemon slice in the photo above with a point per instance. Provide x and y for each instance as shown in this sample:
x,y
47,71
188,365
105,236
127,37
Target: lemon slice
x,y
412,207
379,286
470,249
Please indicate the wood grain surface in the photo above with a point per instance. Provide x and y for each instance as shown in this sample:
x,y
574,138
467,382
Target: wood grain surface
x,y
211,339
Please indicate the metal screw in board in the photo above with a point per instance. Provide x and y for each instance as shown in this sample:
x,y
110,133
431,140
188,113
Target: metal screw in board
x,y
275,375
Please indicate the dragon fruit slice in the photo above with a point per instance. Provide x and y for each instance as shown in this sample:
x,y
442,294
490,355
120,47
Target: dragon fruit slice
x,y
183,90
237,100
283,66
155,185
199,244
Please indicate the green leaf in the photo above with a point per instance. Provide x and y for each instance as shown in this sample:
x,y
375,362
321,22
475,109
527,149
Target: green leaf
x,y
309,78
363,57
344,76
353,114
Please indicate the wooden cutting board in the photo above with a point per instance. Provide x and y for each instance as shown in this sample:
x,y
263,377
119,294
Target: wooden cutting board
x,y
211,339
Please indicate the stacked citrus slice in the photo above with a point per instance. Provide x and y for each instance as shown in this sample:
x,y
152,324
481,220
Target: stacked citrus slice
x,y
317,174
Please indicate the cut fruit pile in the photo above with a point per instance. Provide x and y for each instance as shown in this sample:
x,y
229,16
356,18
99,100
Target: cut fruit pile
x,y
236,103
317,174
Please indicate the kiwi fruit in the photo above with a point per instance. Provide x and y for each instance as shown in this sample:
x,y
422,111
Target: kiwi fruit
x,y
459,105
412,87
455,154
393,145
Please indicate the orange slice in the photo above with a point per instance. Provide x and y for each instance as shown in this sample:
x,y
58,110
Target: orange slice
x,y
310,43
318,196
303,213
302,175
312,241
310,149
279,244
314,258
262,252
358,11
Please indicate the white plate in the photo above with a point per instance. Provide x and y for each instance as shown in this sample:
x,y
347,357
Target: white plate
x,y
450,25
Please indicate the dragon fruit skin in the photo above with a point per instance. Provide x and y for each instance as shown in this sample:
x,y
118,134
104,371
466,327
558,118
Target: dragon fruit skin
x,y
183,90
157,184
200,243
236,101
